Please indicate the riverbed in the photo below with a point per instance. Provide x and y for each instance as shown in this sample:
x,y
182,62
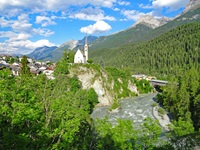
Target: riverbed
x,y
135,109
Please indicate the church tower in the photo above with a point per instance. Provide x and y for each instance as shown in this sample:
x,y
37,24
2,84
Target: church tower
x,y
86,49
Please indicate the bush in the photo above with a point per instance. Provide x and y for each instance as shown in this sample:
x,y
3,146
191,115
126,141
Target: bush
x,y
161,111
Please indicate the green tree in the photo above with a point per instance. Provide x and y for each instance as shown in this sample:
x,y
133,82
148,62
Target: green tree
x,y
25,71
68,56
90,61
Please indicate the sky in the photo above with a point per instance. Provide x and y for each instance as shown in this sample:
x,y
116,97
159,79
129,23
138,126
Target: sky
x,y
27,24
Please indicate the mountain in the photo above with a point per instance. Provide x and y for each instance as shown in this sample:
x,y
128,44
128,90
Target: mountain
x,y
81,43
71,44
133,35
57,53
54,53
148,27
41,53
143,26
193,4
129,35
151,21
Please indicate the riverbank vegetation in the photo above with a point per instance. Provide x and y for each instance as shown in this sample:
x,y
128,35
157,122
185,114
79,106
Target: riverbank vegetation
x,y
38,113
181,98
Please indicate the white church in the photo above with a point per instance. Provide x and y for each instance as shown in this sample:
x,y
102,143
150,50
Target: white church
x,y
82,57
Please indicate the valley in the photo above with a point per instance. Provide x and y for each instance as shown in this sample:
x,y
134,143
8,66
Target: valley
x,y
135,89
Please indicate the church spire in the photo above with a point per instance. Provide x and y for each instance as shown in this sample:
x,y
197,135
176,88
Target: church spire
x,y
86,49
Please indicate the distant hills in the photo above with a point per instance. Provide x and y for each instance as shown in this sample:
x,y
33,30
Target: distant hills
x,y
41,53
54,53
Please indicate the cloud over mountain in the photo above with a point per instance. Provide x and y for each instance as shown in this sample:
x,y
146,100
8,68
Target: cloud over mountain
x,y
98,27
171,4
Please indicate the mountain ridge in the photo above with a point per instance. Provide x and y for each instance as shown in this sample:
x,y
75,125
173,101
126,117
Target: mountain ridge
x,y
41,53
144,29
193,4
151,21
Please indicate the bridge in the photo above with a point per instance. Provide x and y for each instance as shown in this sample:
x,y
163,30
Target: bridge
x,y
158,82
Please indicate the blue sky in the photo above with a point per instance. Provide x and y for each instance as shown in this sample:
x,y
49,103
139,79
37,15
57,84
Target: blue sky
x,y
27,24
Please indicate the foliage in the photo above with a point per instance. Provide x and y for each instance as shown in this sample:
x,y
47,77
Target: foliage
x,y
144,86
25,71
5,73
161,111
69,56
61,68
121,80
115,105
90,61
181,128
37,113
124,135
181,98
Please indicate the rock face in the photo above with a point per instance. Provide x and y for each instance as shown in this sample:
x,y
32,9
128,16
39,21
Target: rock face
x,y
151,21
91,78
193,4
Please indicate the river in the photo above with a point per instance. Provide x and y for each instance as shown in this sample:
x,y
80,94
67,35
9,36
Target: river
x,y
135,109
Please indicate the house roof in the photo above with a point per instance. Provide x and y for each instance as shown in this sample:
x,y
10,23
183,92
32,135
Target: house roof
x,y
35,71
15,68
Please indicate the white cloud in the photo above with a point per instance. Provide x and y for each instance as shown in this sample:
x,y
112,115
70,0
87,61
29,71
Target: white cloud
x,y
19,37
8,34
171,4
116,9
124,3
92,14
5,23
22,46
40,43
21,24
98,27
45,21
132,14
15,7
146,6
42,31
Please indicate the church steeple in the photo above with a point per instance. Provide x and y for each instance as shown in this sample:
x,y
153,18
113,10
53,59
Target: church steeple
x,y
86,49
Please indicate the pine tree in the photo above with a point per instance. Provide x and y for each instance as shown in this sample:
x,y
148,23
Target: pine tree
x,y
25,71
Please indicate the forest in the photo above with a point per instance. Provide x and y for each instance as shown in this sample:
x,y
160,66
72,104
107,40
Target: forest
x,y
38,113
167,55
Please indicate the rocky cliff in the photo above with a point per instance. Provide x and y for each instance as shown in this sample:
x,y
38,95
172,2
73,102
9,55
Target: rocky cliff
x,y
103,83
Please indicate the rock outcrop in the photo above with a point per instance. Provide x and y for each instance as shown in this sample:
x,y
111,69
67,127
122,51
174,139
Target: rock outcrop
x,y
193,4
98,79
152,22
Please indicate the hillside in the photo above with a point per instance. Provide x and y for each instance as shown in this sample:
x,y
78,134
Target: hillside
x,y
142,32
169,53
129,35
